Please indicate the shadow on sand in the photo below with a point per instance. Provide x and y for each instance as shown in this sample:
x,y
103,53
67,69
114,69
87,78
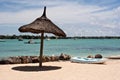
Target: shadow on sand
x,y
35,68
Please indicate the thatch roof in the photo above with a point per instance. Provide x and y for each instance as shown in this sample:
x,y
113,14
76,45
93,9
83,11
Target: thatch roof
x,y
42,24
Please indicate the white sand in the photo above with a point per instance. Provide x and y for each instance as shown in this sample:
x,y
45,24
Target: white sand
x,y
68,71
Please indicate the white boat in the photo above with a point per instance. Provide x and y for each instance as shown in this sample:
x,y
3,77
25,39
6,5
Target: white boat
x,y
48,39
88,60
20,39
1,40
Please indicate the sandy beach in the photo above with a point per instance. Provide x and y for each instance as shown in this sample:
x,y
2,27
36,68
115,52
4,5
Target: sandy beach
x,y
62,70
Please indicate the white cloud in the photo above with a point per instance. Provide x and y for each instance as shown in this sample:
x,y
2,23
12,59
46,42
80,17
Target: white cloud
x,y
74,18
109,19
19,17
69,12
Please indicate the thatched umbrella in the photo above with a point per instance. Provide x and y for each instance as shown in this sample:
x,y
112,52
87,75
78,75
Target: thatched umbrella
x,y
42,25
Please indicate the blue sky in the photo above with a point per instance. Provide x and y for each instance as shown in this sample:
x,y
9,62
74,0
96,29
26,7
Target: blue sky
x,y
75,17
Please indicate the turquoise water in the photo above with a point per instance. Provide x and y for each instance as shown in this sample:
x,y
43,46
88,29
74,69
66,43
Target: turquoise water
x,y
79,47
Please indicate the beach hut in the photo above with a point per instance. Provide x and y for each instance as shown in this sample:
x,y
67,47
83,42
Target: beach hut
x,y
42,25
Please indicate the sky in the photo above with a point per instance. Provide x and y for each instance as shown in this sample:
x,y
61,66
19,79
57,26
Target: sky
x,y
74,17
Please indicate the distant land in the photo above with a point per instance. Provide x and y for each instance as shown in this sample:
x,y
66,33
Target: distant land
x,y
54,37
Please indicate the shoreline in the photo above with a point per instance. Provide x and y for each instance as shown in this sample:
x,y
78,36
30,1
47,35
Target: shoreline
x,y
61,70
34,59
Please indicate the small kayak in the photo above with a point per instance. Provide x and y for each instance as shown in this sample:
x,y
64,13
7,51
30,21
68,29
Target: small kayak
x,y
88,60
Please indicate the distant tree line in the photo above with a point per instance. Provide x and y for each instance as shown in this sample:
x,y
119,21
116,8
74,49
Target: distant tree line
x,y
98,37
54,37
26,37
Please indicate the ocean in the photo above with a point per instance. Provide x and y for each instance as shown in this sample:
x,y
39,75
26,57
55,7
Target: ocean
x,y
78,47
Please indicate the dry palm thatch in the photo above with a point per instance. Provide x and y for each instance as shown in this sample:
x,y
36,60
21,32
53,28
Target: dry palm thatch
x,y
42,25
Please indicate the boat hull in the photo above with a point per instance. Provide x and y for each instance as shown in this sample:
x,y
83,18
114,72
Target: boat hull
x,y
88,60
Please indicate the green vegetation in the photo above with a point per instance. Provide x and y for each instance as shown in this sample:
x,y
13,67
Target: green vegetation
x,y
53,37
25,37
